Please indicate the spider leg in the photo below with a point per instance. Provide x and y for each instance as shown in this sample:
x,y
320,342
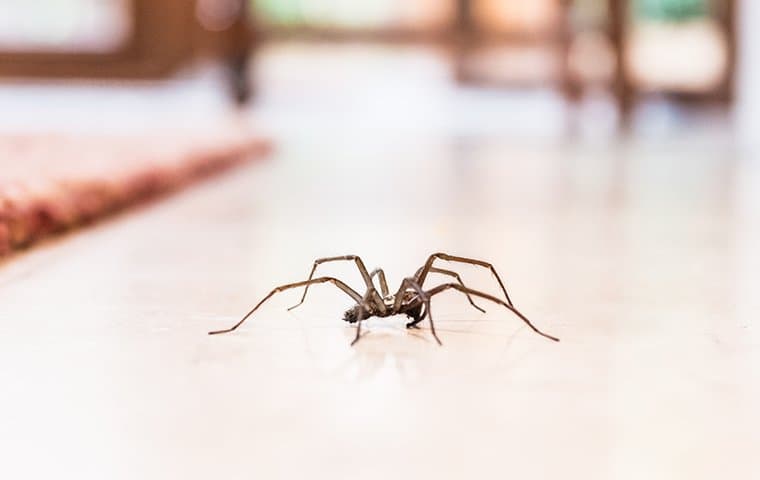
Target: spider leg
x,y
351,293
412,283
429,314
359,323
457,277
375,298
451,258
456,286
383,284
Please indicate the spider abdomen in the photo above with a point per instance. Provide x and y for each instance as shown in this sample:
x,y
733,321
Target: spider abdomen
x,y
353,314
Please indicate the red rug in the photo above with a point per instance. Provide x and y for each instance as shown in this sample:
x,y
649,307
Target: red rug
x,y
52,183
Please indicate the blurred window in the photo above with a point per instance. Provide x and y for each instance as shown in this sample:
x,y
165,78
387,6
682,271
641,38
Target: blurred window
x,y
671,10
677,45
93,26
417,15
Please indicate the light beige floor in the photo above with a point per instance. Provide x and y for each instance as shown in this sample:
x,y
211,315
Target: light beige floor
x,y
644,259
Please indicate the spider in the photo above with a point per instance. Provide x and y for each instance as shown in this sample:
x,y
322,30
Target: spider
x,y
410,299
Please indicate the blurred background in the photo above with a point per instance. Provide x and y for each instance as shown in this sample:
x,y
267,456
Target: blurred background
x,y
594,67
602,154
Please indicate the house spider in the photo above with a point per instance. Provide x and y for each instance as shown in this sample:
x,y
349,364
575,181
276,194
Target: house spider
x,y
408,300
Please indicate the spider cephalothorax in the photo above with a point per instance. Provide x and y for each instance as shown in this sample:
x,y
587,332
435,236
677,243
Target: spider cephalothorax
x,y
410,299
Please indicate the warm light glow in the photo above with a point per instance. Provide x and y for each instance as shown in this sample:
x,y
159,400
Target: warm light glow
x,y
516,16
426,14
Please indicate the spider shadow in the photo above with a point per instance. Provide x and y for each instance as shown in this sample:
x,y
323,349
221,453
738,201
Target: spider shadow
x,y
375,351
381,348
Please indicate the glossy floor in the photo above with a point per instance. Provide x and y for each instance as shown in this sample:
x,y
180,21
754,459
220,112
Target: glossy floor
x,y
643,259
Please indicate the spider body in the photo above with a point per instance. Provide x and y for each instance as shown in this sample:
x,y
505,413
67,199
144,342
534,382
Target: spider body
x,y
410,299
411,306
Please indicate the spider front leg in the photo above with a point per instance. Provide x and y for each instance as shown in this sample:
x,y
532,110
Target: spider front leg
x,y
423,296
348,290
374,297
458,279
383,283
423,272
456,286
